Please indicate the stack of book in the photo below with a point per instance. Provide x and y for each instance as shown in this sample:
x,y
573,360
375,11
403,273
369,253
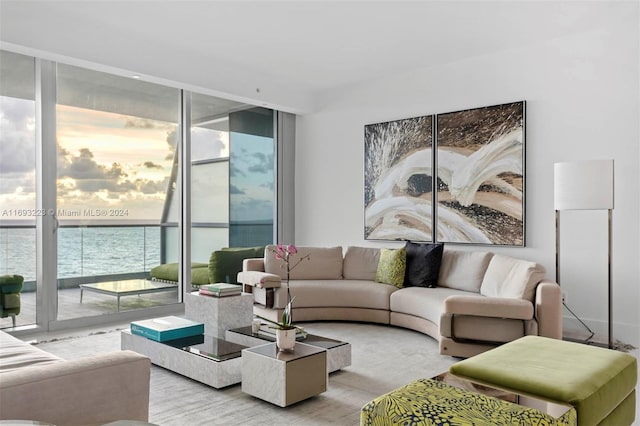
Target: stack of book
x,y
268,331
220,289
168,328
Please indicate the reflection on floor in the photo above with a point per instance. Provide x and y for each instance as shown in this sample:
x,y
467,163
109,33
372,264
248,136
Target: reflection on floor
x,y
93,304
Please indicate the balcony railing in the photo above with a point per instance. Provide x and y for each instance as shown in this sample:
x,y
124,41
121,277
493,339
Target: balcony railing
x,y
86,253
109,251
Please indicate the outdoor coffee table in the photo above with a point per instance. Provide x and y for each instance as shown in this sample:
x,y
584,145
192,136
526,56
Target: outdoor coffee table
x,y
127,288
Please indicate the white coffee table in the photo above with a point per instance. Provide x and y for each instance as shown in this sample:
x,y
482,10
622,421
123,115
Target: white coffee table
x,y
284,378
338,352
214,362
219,314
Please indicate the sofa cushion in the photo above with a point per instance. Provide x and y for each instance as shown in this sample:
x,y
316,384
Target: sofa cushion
x,y
510,277
324,263
338,293
391,266
360,263
10,301
200,276
423,264
481,306
463,270
16,354
427,303
259,279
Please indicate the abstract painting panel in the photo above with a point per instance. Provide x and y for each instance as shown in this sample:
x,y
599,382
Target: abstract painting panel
x,y
480,175
398,180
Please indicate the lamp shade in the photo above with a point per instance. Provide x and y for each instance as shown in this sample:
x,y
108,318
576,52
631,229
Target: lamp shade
x,y
583,185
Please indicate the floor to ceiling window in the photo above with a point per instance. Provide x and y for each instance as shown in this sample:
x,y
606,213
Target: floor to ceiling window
x,y
117,186
17,178
116,143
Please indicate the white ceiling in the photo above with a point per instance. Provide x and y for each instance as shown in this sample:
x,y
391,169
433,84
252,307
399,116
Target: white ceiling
x,y
281,54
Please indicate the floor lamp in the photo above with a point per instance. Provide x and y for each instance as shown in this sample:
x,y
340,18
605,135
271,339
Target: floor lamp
x,y
585,185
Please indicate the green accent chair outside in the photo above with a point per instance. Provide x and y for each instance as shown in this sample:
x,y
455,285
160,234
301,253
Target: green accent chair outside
x,y
169,272
10,288
223,266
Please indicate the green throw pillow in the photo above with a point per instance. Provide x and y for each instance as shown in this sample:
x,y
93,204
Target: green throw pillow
x,y
391,266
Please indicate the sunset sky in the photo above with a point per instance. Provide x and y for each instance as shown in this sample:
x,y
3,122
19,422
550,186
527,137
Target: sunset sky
x,y
112,161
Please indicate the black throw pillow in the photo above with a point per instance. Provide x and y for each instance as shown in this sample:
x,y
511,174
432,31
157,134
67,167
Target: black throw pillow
x,y
423,264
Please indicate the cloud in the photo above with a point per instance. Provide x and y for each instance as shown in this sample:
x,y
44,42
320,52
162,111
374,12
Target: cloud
x,y
207,143
89,176
256,162
141,123
263,163
152,165
17,183
95,185
152,186
172,141
83,166
235,171
235,190
17,127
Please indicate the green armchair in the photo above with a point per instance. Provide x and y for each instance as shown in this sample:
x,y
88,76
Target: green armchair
x,y
10,288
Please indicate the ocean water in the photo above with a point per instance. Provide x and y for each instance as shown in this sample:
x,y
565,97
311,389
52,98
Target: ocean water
x,y
86,252
83,251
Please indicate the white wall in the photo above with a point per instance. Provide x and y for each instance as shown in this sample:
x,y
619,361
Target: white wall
x,y
582,103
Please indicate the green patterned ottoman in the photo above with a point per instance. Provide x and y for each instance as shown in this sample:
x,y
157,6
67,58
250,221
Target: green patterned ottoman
x,y
430,402
599,383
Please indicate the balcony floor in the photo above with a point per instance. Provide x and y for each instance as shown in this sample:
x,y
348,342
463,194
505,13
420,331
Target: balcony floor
x,y
93,304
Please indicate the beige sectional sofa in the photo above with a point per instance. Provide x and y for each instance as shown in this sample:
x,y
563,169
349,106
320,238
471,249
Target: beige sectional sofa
x,y
481,299
38,386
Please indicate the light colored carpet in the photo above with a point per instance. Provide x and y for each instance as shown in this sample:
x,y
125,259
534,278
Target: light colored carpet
x,y
383,358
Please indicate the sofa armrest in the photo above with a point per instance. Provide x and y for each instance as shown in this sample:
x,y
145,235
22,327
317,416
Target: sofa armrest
x,y
256,264
90,390
494,307
548,301
259,279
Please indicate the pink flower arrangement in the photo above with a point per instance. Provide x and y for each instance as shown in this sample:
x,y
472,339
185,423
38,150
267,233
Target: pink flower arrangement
x,y
285,253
